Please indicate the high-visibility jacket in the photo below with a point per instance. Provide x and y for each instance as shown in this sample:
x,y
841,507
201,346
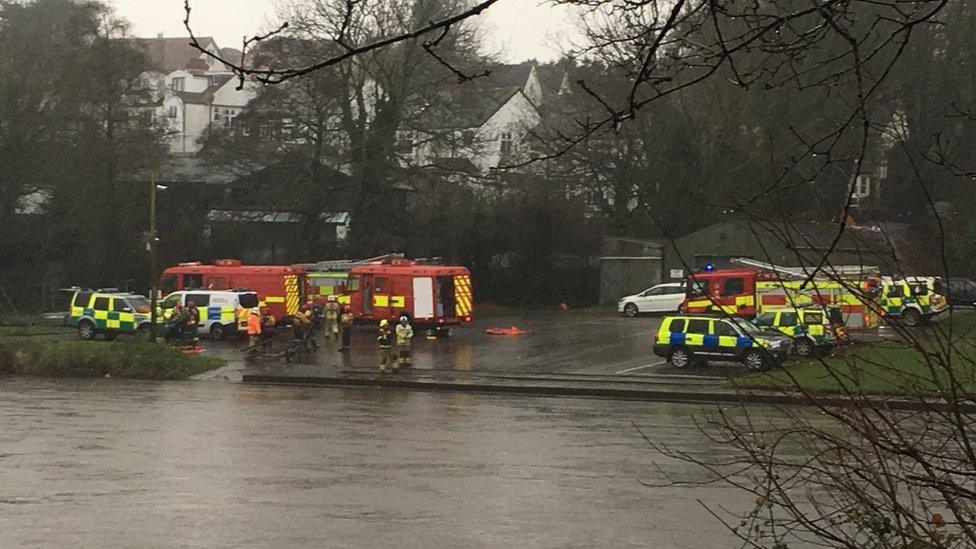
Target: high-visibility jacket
x,y
403,335
254,325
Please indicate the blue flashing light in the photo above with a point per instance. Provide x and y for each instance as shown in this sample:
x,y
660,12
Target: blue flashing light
x,y
709,268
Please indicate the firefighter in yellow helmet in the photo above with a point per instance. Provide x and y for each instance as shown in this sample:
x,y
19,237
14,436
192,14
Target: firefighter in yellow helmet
x,y
404,336
332,317
385,341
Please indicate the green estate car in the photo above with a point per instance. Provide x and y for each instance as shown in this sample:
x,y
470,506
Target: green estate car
x,y
691,339
109,313
811,328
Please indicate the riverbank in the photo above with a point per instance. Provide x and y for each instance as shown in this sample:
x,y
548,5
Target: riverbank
x,y
142,360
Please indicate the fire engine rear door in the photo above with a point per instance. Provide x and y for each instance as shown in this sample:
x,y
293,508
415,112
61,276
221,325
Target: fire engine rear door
x,y
423,297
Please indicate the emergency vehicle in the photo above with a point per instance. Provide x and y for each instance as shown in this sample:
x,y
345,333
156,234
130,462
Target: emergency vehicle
x,y
686,340
280,288
432,296
108,312
913,299
810,327
748,292
220,310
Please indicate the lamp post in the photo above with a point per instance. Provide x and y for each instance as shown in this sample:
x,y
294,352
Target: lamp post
x,y
151,246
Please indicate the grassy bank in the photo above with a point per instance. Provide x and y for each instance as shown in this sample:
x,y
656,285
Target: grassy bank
x,y
121,359
883,368
34,330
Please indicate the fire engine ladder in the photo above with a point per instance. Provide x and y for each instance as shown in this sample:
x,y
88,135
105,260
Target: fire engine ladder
x,y
346,264
844,272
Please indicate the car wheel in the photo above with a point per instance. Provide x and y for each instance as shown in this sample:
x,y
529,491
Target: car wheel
x,y
218,332
803,346
755,360
911,317
86,330
680,358
631,310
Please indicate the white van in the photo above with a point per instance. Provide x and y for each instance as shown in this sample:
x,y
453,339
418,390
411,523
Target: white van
x,y
219,310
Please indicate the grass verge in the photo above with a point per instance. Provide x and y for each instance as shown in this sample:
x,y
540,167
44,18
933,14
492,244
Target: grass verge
x,y
86,359
885,367
33,330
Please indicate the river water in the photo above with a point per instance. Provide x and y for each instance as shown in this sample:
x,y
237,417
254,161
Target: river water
x,y
123,464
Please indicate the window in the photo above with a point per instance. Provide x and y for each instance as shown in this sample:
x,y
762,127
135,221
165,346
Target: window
x,y
353,284
895,290
725,329
920,289
862,186
787,318
120,306
177,84
766,319
697,326
192,281
82,299
170,301
101,304
813,318
171,112
653,291
697,287
506,142
200,300
733,286
380,284
677,325
167,284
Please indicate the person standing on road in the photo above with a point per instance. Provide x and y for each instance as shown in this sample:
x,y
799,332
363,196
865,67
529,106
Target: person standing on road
x,y
345,324
332,317
385,340
404,337
192,321
253,328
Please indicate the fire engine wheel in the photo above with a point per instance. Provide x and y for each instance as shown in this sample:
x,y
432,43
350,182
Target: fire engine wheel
x,y
755,361
631,310
804,347
679,358
911,317
86,330
218,332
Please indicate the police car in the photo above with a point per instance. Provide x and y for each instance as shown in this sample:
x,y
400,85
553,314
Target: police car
x,y
220,310
108,312
695,339
811,328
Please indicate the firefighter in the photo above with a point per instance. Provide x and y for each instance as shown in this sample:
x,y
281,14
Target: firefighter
x,y
345,323
268,323
192,321
253,328
177,319
385,340
404,335
332,317
318,314
302,325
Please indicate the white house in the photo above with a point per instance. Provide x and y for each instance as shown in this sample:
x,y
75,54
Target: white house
x,y
195,90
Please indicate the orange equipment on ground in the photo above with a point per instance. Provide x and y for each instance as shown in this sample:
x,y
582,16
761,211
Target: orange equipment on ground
x,y
432,296
280,288
513,331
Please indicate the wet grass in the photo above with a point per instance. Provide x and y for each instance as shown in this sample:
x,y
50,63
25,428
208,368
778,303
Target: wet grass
x,y
34,330
88,359
886,367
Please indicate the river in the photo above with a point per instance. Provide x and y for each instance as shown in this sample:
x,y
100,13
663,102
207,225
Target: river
x,y
124,464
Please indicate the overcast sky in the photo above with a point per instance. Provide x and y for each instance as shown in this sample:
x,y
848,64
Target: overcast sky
x,y
518,29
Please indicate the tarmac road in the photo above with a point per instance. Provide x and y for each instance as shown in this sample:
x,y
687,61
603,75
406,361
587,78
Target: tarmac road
x,y
558,343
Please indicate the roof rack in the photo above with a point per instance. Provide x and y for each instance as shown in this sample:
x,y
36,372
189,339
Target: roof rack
x,y
827,271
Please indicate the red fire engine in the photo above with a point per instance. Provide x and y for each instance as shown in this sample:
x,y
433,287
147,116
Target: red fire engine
x,y
433,296
280,288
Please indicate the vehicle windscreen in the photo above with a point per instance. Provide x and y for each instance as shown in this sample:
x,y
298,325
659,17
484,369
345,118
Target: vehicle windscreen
x,y
697,287
765,319
747,327
138,304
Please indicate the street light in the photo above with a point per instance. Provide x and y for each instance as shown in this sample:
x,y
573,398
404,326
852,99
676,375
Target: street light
x,y
151,241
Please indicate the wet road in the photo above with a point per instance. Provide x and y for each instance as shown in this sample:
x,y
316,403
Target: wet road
x,y
558,343
110,463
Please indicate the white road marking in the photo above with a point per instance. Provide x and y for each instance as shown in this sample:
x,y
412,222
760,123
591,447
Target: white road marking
x,y
642,367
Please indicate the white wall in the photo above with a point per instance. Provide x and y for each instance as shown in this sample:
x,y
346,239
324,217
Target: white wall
x,y
517,116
